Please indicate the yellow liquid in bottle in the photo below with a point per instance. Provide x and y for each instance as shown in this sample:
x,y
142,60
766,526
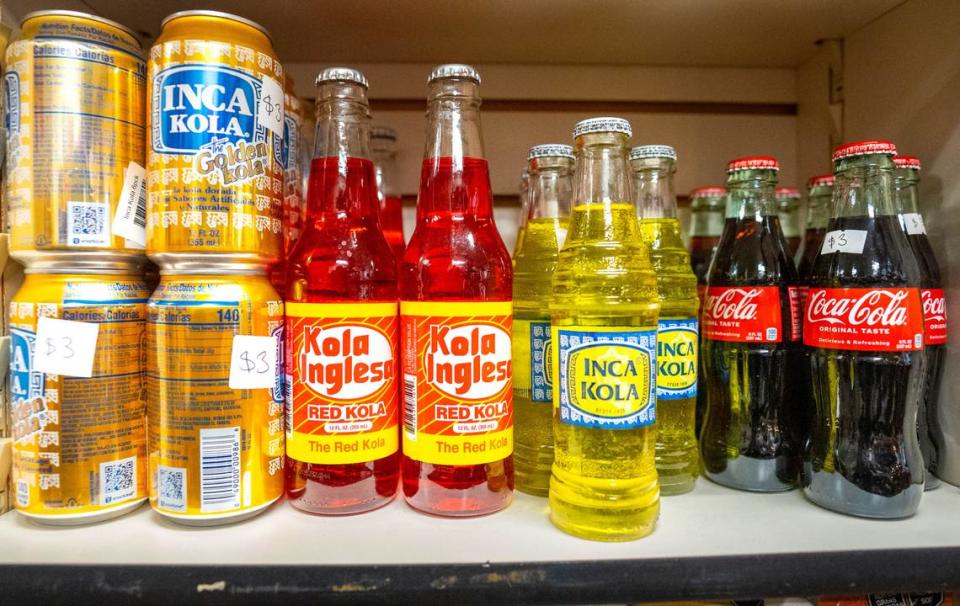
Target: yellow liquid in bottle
x,y
604,484
535,261
678,456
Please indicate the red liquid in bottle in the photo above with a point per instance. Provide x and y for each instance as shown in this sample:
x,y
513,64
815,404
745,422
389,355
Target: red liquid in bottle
x,y
456,254
342,257
391,219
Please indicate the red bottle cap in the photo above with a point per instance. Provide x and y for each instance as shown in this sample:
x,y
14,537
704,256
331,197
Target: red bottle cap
x,y
787,192
864,148
753,163
907,162
821,181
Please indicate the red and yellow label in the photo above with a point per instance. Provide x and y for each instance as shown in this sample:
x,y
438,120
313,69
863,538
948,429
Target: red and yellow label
x,y
457,381
864,319
744,314
342,382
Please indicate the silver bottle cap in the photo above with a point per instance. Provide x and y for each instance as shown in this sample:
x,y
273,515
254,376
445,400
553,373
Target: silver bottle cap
x,y
653,151
342,74
383,132
602,125
454,70
550,150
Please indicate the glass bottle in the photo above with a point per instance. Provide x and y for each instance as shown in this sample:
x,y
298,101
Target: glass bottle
x,y
342,326
550,168
819,203
604,329
678,332
788,208
753,426
706,226
456,318
383,146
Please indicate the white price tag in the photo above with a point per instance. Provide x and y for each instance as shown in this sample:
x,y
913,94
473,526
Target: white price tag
x,y
844,241
130,220
65,347
914,224
253,362
270,108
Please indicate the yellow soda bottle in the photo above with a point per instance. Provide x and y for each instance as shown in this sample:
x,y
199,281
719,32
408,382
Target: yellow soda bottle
x,y
551,188
604,314
524,213
678,456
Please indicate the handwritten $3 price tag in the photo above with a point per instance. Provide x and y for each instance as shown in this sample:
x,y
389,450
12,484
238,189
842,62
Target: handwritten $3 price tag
x,y
253,362
65,347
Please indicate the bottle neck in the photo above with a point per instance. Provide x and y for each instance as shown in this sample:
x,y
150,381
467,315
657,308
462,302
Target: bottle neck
x,y
706,221
864,187
550,188
908,190
385,161
653,188
601,175
818,210
751,194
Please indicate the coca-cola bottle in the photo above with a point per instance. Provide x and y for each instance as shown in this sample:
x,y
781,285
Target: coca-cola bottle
x,y
864,333
752,429
819,201
934,313
706,225
788,207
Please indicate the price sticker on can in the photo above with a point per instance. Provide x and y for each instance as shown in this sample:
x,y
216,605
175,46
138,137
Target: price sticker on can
x,y
65,347
270,106
253,362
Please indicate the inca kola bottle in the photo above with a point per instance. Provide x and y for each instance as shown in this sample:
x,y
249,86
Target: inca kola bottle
x,y
551,187
678,457
604,315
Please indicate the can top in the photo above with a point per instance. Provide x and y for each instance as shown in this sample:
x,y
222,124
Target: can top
x,y
753,163
383,132
454,70
821,181
342,74
905,161
549,150
653,151
602,125
79,15
786,193
864,148
221,15
710,191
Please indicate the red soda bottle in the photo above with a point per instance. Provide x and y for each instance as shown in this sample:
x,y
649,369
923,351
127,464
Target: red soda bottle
x,y
753,427
342,324
864,332
383,146
455,293
934,314
788,209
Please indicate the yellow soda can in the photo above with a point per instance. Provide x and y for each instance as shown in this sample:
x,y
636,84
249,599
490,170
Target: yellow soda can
x,y
214,159
74,97
214,397
78,396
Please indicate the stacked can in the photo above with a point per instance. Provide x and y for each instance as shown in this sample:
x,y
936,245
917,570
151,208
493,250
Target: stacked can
x,y
215,175
74,98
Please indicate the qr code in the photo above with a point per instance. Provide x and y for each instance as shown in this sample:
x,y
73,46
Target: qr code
x,y
88,224
118,480
171,488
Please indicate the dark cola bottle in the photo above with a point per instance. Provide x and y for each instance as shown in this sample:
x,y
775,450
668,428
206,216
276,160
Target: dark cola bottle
x,y
752,431
934,314
863,330
819,205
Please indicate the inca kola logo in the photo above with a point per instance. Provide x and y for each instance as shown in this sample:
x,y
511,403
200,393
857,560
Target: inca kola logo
x,y
469,362
345,362
609,380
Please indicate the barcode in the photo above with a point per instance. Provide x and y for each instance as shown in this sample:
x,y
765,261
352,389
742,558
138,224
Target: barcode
x,y
140,216
410,405
220,469
288,404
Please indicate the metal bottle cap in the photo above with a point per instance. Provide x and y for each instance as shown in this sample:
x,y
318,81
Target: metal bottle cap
x,y
864,148
550,150
454,70
911,162
342,74
602,125
753,163
653,151
383,132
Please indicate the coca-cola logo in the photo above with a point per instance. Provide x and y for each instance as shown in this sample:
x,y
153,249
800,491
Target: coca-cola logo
x,y
733,304
878,307
934,306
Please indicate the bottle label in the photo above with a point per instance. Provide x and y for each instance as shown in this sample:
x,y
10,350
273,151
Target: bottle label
x,y
796,294
606,376
913,223
864,319
457,381
532,354
342,396
743,314
934,315
677,344
849,241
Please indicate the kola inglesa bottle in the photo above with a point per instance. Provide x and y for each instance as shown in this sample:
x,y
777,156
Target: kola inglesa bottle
x,y
383,146
604,323
456,318
342,325
550,169
864,332
934,314
751,357
678,457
